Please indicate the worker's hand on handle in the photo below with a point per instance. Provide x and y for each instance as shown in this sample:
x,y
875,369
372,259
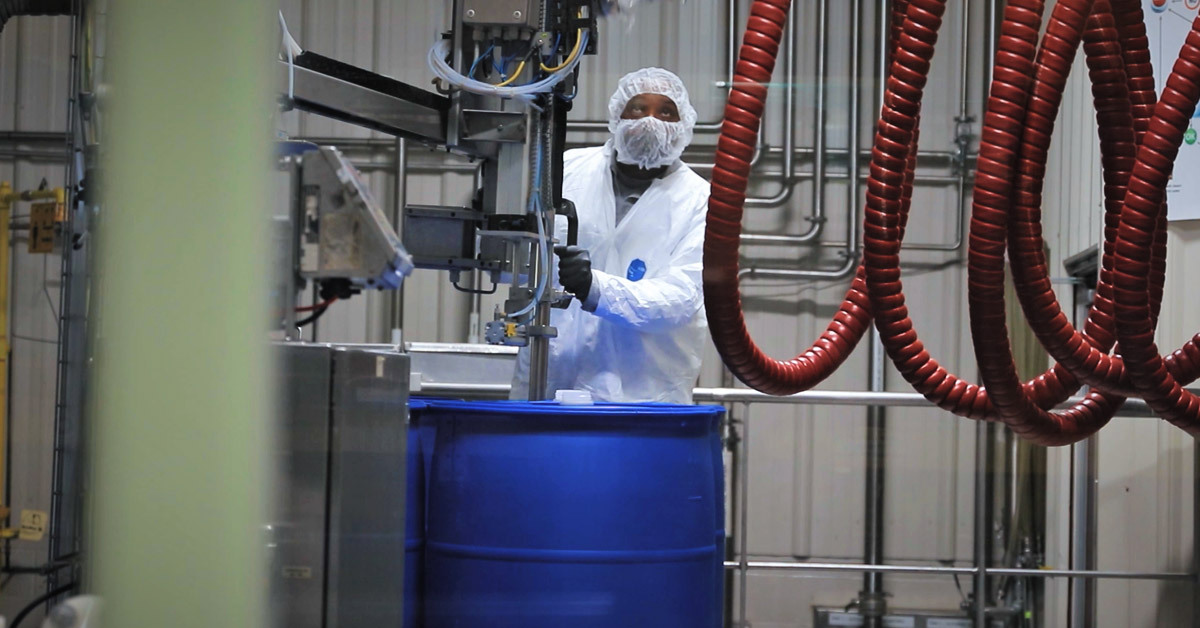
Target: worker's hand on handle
x,y
574,270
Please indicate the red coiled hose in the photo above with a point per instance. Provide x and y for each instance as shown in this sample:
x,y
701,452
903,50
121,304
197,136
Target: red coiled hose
x,y
1021,109
722,299
1019,152
1144,210
1090,362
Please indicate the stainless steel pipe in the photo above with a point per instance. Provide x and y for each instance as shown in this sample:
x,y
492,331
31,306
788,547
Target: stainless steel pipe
x,y
966,571
1135,408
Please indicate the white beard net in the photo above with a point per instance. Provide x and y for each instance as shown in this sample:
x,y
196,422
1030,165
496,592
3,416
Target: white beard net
x,y
649,142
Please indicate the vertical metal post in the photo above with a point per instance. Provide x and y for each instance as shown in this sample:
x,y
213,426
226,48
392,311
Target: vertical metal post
x,y
982,523
6,194
542,132
1196,532
539,356
964,26
963,122
395,318
982,498
732,42
990,35
873,600
1083,532
852,140
733,444
743,516
883,42
818,192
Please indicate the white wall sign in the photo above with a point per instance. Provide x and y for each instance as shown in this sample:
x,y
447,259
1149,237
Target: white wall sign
x,y
1167,25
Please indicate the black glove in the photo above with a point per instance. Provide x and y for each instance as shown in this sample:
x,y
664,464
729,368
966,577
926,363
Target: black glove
x,y
574,270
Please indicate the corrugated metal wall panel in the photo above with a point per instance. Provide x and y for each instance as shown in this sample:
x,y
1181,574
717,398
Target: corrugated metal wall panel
x,y
34,54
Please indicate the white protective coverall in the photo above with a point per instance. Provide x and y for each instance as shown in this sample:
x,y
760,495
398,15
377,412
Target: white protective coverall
x,y
645,339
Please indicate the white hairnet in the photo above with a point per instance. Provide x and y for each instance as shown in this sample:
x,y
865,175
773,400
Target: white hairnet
x,y
653,81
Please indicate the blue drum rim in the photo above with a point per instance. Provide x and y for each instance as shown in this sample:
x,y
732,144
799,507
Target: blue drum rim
x,y
599,557
552,408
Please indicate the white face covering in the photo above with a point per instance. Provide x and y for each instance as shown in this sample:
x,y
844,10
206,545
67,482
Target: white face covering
x,y
649,142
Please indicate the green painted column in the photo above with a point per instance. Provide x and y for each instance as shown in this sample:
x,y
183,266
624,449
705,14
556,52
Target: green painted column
x,y
180,384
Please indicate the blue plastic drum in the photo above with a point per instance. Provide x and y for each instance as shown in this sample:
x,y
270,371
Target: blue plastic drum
x,y
414,519
543,515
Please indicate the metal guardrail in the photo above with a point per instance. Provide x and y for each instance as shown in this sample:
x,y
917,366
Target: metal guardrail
x,y
1132,407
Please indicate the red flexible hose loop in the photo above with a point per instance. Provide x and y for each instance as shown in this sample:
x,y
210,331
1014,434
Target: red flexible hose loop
x,y
722,297
1019,123
1028,147
1085,356
1144,210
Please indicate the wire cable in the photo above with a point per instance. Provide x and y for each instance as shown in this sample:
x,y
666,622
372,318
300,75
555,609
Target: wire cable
x,y
437,63
313,317
475,64
557,41
579,39
515,74
317,306
49,595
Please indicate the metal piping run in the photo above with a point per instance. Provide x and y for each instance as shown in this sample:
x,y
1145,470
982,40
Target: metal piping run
x,y
33,137
1134,408
847,270
770,239
57,156
731,16
850,250
962,119
939,155
788,181
853,149
598,126
965,571
932,180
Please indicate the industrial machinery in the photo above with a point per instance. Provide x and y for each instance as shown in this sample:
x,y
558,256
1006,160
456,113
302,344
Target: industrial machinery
x,y
331,232
506,74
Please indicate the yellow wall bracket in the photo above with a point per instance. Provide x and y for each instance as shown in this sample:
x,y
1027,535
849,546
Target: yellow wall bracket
x,y
57,206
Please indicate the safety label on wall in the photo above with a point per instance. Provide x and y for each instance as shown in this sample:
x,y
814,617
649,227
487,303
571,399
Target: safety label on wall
x,y
1167,25
33,525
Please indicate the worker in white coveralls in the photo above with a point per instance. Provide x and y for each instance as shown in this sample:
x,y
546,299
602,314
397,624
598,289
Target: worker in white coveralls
x,y
636,328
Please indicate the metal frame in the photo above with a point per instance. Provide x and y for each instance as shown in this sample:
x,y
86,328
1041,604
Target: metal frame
x,y
420,115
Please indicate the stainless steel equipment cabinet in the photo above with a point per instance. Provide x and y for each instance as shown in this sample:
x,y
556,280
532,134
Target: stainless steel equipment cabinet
x,y
336,528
